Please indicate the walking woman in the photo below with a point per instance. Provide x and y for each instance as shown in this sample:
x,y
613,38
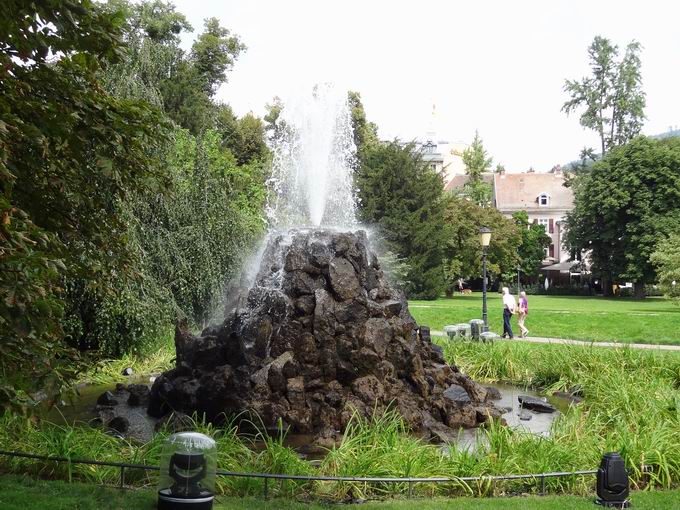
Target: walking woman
x,y
522,313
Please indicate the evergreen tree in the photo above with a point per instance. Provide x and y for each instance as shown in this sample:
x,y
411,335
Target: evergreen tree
x,y
403,197
477,162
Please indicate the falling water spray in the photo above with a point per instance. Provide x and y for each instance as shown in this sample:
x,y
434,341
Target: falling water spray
x,y
314,156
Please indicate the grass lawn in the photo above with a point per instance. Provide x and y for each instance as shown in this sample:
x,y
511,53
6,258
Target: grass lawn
x,y
650,320
23,493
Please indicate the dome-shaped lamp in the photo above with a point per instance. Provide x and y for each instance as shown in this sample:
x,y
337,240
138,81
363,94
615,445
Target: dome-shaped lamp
x,y
187,476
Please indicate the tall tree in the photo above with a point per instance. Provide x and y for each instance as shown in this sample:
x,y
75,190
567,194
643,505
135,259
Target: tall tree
x,y
626,204
365,132
666,260
475,158
477,162
531,250
155,67
403,196
612,95
70,155
187,240
214,53
463,253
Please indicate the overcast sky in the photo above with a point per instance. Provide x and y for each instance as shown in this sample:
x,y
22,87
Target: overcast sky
x,y
495,66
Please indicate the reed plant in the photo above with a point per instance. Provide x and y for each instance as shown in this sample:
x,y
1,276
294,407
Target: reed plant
x,y
631,404
155,361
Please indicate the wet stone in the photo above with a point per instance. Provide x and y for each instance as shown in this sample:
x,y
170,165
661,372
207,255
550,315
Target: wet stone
x,y
457,393
107,399
540,405
321,336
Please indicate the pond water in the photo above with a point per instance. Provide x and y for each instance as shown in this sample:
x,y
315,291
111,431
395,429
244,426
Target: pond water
x,y
81,410
539,423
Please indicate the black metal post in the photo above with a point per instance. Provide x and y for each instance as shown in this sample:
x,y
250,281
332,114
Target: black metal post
x,y
484,315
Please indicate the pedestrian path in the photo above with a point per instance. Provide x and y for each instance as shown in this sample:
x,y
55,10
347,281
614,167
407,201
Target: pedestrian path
x,y
564,341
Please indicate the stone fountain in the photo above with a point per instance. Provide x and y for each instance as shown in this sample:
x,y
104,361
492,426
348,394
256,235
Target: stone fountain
x,y
319,334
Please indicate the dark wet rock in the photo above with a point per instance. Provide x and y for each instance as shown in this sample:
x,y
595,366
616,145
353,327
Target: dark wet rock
x,y
320,337
107,399
104,415
120,387
492,393
538,404
119,424
457,394
139,394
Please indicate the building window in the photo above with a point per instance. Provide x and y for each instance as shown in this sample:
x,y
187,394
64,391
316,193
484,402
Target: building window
x,y
543,199
544,223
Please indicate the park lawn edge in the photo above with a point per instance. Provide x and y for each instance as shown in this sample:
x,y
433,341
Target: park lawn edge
x,y
20,492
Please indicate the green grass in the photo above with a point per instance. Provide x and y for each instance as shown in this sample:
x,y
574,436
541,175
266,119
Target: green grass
x,y
631,405
650,320
24,493
108,371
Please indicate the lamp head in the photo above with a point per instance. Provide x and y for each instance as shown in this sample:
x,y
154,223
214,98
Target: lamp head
x,y
485,236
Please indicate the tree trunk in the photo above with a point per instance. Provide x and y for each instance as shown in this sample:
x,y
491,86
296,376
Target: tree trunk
x,y
606,286
639,290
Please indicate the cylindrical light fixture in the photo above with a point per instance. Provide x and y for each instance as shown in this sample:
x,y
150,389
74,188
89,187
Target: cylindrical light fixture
x,y
187,472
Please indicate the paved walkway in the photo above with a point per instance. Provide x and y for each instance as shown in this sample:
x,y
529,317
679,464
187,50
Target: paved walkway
x,y
564,341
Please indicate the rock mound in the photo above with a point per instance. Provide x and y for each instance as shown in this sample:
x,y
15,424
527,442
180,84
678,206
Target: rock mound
x,y
322,335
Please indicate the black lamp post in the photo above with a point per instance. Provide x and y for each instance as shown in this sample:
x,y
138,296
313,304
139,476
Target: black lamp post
x,y
484,239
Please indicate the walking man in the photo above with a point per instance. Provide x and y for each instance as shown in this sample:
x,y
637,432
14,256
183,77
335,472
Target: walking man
x,y
509,305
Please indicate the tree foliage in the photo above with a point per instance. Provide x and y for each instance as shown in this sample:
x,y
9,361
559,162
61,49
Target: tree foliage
x,y
70,155
365,132
463,255
666,260
187,241
612,96
155,65
626,204
403,197
531,250
477,162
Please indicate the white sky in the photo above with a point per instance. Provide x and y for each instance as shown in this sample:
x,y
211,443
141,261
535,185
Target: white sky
x,y
496,66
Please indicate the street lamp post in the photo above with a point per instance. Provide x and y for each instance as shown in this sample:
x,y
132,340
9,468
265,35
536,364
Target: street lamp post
x,y
484,239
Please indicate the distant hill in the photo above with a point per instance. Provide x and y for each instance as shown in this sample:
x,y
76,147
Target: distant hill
x,y
671,133
668,134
